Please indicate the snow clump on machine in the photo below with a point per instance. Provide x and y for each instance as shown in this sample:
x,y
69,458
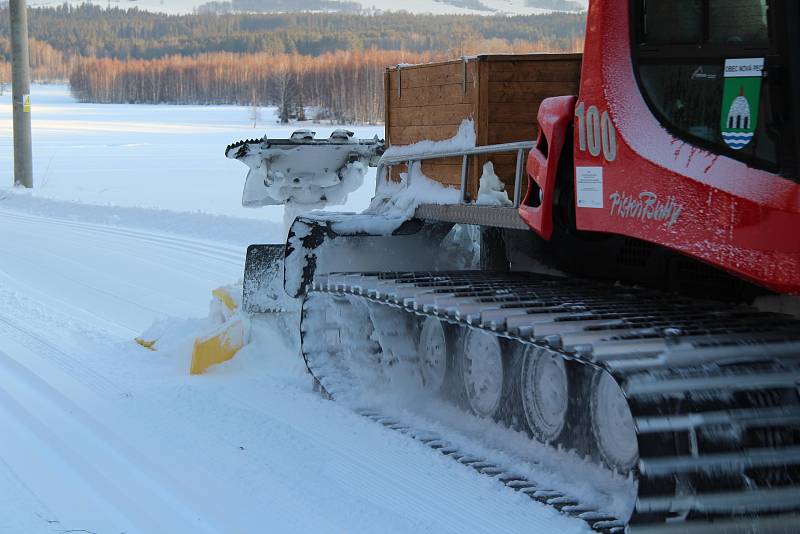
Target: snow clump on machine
x,y
492,191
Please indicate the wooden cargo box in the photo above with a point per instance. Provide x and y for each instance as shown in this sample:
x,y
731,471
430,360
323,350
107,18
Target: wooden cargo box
x,y
500,93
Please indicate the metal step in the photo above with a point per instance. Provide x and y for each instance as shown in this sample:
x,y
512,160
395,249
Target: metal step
x,y
739,503
721,462
750,418
778,524
741,382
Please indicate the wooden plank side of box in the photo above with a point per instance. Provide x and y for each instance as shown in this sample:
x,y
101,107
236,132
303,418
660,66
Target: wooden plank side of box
x,y
432,84
429,102
446,171
426,75
528,92
431,115
515,88
501,93
535,68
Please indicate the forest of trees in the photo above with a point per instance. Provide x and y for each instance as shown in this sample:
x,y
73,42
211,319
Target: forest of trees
x,y
92,31
273,6
343,86
333,62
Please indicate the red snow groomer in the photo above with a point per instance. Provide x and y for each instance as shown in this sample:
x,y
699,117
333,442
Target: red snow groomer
x,y
602,318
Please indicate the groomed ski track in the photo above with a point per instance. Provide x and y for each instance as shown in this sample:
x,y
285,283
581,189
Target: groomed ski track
x,y
103,436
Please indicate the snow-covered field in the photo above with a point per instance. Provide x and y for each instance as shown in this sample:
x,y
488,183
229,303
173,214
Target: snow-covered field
x,y
159,157
135,217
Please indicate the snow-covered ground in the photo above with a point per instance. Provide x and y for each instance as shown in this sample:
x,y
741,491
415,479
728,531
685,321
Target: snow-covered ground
x,y
160,157
135,217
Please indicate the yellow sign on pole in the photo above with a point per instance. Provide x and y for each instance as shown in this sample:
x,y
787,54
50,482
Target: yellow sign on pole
x,y
26,103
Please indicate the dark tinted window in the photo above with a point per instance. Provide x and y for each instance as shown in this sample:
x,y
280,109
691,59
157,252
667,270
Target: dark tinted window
x,y
738,21
690,22
683,49
674,21
690,97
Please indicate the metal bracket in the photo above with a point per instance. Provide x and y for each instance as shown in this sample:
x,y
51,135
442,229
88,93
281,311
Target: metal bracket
x,y
465,75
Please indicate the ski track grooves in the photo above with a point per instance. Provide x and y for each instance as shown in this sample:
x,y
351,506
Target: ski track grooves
x,y
62,438
373,469
227,253
54,241
47,351
106,481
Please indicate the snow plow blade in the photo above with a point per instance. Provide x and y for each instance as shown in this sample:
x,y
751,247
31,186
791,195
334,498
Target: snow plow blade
x,y
149,344
222,343
218,347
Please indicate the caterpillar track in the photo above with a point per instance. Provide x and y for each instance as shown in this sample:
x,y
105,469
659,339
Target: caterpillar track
x,y
688,411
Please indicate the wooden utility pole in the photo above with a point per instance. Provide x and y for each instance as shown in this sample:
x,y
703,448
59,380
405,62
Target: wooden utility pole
x,y
21,94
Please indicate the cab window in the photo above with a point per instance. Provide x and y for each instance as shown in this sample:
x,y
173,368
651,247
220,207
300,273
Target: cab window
x,y
704,68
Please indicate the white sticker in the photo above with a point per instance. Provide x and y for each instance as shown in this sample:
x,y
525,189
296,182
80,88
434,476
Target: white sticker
x,y
589,182
744,68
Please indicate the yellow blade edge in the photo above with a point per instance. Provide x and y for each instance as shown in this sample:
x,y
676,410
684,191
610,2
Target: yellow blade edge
x,y
218,347
223,294
146,343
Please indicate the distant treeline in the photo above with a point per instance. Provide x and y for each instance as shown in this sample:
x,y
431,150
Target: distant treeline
x,y
340,6
91,31
332,62
47,63
343,86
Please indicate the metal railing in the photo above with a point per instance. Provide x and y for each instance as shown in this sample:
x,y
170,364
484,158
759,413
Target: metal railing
x,y
387,162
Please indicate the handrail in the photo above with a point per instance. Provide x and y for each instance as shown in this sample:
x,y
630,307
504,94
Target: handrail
x,y
519,147
472,151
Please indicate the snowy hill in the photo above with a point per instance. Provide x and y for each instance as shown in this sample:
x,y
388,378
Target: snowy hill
x,y
479,7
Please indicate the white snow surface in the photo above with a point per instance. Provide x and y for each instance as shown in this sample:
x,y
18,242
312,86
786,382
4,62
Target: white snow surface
x,y
134,219
161,157
464,137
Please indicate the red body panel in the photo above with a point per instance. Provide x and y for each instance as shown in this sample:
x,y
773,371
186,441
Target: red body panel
x,y
554,117
713,208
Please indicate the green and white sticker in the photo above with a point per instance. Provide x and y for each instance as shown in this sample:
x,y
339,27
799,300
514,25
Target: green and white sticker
x,y
740,98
